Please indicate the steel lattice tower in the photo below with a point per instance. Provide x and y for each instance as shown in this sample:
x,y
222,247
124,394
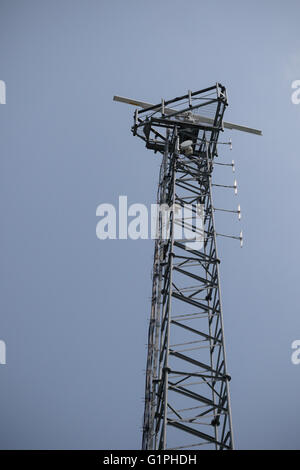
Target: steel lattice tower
x,y
187,400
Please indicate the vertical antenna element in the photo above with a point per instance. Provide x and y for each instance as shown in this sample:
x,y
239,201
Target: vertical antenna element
x,y
235,187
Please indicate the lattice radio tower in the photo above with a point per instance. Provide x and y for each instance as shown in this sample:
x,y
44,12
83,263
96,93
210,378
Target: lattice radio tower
x,y
187,399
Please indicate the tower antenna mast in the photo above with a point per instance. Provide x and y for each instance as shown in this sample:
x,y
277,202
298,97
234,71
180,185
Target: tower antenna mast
x,y
187,398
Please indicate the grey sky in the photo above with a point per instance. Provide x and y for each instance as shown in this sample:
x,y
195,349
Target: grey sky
x,y
74,309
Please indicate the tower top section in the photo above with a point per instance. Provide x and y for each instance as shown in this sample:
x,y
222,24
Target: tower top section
x,y
198,109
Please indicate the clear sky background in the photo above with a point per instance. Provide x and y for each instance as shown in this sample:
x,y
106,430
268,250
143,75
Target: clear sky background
x,y
74,309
